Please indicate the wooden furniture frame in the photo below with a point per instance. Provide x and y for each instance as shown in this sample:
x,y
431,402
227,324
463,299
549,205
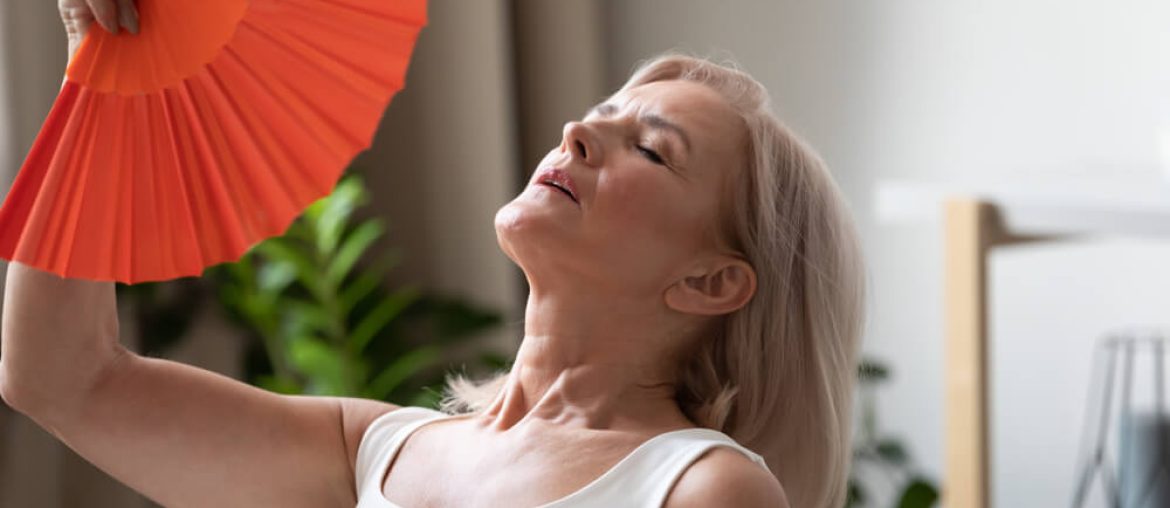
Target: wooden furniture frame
x,y
973,228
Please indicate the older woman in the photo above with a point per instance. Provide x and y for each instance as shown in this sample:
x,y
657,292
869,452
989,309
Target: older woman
x,y
690,338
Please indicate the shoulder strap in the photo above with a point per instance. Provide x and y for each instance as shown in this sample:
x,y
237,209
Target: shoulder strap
x,y
687,449
644,479
382,439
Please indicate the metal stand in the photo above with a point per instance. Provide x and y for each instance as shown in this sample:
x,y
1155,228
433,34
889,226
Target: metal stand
x,y
1126,445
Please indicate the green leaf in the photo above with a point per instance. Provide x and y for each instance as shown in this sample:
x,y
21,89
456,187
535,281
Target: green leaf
x,y
313,212
400,370
336,211
323,366
892,451
279,385
856,496
299,230
242,270
389,308
425,398
369,279
919,493
306,318
352,249
870,372
253,307
276,277
278,251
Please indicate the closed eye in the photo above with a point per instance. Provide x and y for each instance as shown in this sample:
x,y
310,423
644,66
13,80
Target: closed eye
x,y
651,155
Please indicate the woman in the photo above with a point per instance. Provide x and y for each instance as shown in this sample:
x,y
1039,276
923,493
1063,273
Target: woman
x,y
690,337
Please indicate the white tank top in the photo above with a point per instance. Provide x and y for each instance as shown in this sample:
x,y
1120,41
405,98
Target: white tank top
x,y
641,479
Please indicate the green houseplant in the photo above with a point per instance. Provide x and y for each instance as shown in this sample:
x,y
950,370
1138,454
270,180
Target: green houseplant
x,y
881,455
320,322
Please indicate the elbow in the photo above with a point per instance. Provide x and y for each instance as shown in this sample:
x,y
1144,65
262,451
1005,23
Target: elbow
x,y
7,390
14,395
49,394
20,398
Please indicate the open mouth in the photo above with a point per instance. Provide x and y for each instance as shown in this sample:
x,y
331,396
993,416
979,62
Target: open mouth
x,y
558,186
561,181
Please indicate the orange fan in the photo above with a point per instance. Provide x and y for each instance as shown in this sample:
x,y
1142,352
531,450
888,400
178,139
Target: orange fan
x,y
209,131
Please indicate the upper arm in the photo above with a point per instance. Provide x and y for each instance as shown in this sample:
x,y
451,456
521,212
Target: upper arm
x,y
356,417
725,477
184,436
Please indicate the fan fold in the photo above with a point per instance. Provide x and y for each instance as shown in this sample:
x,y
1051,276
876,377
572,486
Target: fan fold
x,y
209,131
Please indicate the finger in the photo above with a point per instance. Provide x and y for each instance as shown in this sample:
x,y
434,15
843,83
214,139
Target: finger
x,y
77,18
106,13
128,15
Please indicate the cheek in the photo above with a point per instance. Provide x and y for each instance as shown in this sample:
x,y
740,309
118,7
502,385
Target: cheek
x,y
653,214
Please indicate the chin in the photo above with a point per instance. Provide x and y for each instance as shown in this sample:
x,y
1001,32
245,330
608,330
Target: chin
x,y
527,231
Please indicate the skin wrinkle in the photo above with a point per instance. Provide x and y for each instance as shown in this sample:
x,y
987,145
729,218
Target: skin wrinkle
x,y
625,287
617,286
341,426
651,120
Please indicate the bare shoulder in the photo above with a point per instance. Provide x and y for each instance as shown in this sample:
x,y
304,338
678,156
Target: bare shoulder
x,y
355,417
725,477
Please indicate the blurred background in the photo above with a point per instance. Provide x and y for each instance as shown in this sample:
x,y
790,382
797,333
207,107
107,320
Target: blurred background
x,y
1057,113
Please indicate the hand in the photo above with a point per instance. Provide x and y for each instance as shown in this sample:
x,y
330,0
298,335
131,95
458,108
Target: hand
x,y
112,15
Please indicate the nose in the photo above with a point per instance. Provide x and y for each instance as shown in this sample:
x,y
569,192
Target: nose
x,y
582,144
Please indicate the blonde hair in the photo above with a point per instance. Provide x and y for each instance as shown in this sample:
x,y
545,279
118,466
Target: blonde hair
x,y
779,377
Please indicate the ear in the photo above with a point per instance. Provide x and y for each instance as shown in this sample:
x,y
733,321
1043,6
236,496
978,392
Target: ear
x,y
718,288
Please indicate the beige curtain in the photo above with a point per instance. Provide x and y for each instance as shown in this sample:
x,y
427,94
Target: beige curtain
x,y
5,149
32,463
491,84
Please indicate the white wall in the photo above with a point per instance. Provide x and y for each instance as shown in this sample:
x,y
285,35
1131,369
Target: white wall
x,y
1034,93
1001,87
1044,360
968,92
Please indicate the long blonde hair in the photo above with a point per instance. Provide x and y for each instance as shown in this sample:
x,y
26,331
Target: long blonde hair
x,y
779,377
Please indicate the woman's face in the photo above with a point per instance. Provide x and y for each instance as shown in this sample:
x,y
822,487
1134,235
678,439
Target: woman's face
x,y
629,202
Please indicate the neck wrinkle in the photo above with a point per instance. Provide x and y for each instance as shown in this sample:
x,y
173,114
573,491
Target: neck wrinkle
x,y
594,361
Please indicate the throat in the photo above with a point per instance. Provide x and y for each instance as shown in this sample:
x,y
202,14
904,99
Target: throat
x,y
580,398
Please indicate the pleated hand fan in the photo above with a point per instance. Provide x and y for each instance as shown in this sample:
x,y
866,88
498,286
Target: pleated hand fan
x,y
209,131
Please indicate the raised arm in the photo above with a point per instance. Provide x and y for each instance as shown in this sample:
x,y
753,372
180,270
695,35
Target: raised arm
x,y
180,435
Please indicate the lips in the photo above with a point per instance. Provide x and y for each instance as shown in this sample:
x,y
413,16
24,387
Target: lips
x,y
560,180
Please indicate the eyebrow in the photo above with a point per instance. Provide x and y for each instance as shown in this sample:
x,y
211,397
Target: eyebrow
x,y
652,120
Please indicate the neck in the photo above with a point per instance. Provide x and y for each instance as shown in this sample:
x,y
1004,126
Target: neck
x,y
592,362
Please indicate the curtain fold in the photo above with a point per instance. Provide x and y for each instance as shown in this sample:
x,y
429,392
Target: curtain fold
x,y
560,69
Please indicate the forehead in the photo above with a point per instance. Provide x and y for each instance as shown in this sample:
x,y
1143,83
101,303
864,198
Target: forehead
x,y
709,121
682,101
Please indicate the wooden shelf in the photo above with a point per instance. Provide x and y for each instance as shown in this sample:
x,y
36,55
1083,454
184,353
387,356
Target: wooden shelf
x,y
976,220
1086,207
